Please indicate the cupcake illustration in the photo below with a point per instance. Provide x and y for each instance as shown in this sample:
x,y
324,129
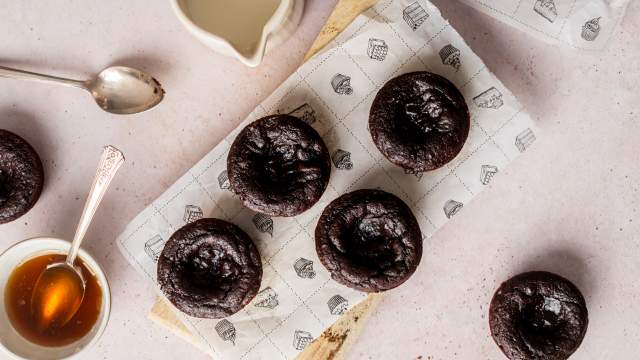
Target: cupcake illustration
x,y
223,180
450,56
342,84
342,160
263,223
226,331
304,268
337,305
591,29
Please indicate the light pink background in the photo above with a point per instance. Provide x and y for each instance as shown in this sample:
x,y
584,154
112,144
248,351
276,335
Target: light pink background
x,y
570,205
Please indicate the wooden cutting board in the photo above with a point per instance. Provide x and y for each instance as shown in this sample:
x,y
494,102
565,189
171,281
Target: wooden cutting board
x,y
335,341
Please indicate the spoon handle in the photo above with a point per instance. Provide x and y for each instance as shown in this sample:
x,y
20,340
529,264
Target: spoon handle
x,y
110,162
27,75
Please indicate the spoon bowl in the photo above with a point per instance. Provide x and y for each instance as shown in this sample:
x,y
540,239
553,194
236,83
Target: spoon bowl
x,y
57,296
123,90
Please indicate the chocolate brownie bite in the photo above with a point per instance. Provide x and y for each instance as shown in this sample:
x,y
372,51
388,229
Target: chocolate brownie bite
x,y
279,166
210,269
538,316
369,240
419,121
21,176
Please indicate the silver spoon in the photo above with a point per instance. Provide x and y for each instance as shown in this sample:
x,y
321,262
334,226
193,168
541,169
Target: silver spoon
x,y
118,89
59,291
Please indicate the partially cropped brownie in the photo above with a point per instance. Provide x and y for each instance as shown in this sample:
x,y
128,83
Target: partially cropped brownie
x,y
279,166
369,240
538,316
21,176
210,269
419,121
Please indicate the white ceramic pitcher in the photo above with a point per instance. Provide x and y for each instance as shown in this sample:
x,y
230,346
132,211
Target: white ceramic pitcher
x,y
245,29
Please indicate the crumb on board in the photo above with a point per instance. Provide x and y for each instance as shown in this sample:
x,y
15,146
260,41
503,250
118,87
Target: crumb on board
x,y
337,339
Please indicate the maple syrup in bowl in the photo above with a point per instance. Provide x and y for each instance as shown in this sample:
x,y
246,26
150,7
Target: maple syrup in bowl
x,y
20,337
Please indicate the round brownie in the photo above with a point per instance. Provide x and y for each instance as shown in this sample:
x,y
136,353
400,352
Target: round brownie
x,y
279,166
210,269
419,121
369,240
538,315
21,176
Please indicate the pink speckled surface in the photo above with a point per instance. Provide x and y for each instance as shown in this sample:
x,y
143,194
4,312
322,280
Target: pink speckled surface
x,y
569,205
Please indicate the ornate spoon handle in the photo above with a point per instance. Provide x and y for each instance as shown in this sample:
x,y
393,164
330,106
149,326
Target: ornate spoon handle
x,y
110,162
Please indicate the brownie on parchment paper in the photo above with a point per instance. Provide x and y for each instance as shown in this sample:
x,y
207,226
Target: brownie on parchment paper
x,y
419,121
279,166
210,268
369,240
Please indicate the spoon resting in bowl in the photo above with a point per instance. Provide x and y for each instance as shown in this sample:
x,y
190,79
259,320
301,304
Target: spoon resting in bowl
x,y
59,291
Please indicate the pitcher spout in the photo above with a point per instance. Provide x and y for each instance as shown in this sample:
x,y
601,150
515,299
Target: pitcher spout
x,y
252,57
244,29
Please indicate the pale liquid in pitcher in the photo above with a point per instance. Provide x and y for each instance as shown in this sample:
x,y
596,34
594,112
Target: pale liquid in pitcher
x,y
240,22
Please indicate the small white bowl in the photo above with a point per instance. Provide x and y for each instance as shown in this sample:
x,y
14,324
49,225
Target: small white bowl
x,y
11,342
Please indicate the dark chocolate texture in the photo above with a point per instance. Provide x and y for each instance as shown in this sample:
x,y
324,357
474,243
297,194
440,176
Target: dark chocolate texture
x,y
279,166
210,269
538,316
419,121
21,176
369,240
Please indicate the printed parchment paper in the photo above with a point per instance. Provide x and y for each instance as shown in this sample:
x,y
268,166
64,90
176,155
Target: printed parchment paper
x,y
333,92
582,24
